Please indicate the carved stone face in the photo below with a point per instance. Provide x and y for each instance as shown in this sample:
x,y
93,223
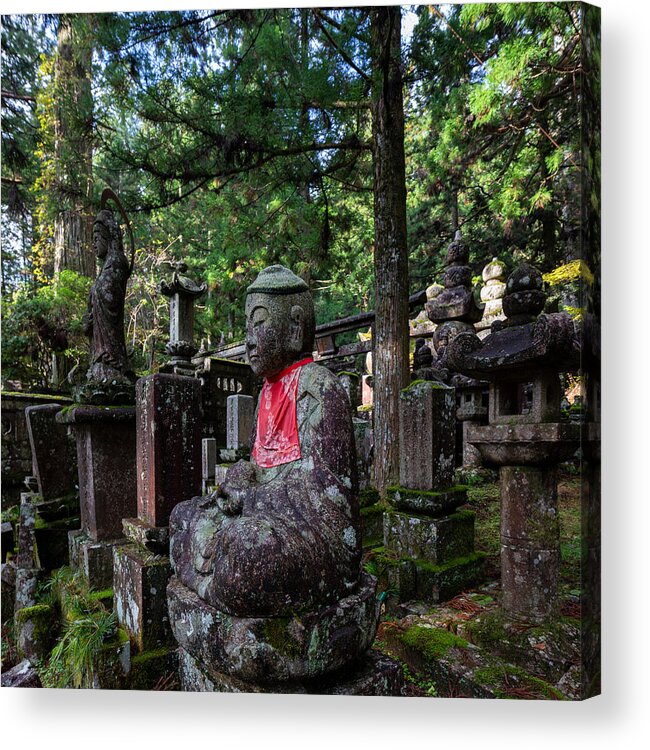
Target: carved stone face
x,y
100,240
274,333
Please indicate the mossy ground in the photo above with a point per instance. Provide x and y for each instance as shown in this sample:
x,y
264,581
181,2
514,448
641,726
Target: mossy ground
x,y
474,619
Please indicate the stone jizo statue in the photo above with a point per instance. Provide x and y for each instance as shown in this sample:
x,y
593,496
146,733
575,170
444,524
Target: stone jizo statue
x,y
281,535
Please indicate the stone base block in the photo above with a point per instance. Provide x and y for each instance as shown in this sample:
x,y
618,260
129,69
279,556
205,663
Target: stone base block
x,y
33,630
139,584
94,559
529,582
275,649
426,502
416,579
433,539
373,674
153,538
113,664
106,457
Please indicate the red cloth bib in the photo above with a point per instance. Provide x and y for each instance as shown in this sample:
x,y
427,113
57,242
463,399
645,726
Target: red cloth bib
x,y
276,440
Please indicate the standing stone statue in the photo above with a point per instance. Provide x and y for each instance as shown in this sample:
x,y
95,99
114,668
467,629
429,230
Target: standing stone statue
x,y
110,378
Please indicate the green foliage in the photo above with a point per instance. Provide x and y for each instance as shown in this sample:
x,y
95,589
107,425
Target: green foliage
x,y
39,322
237,139
87,627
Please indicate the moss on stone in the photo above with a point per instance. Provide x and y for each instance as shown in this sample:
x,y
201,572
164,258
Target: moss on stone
x,y
496,676
456,562
103,596
32,396
33,612
432,643
371,510
276,632
416,383
426,493
146,657
369,496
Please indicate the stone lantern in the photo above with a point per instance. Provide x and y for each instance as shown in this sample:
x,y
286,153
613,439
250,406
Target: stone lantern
x,y
182,292
521,358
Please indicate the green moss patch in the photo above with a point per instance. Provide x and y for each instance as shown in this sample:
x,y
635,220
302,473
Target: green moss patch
x,y
432,643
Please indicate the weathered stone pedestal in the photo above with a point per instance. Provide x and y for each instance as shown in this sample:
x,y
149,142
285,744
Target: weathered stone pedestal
x,y
105,437
429,545
323,651
168,440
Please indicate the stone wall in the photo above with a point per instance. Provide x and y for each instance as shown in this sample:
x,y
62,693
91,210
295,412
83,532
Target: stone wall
x,y
16,453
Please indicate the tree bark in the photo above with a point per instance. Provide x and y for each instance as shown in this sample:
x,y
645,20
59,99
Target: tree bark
x,y
73,147
390,337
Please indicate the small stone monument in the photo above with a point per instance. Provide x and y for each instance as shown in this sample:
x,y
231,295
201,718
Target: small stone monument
x,y
53,460
521,358
429,544
208,463
268,593
54,463
182,293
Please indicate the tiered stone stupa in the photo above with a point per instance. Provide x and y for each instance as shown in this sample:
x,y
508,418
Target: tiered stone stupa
x,y
454,309
521,358
492,296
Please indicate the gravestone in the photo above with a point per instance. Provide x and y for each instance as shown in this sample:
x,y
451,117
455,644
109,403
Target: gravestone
x,y
168,440
53,460
430,544
208,463
106,459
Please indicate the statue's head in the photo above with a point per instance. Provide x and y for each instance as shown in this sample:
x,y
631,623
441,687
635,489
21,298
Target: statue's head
x,y
280,322
106,234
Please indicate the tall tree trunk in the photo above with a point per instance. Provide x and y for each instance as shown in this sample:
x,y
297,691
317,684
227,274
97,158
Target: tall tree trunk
x,y
390,337
73,147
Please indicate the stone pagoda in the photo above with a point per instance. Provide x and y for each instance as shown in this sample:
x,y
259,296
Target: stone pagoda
x,y
525,438
454,309
492,296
